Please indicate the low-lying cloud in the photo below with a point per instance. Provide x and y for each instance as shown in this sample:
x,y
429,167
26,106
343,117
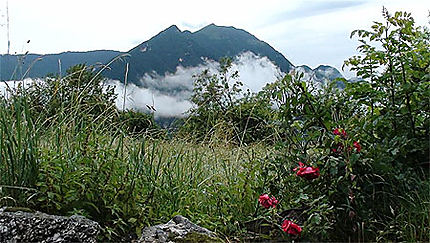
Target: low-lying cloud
x,y
139,98
7,86
169,94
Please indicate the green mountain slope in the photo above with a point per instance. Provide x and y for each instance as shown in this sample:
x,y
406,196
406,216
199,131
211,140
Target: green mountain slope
x,y
172,47
161,54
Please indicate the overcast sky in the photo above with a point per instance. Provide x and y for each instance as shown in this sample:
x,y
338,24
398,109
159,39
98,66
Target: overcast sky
x,y
305,31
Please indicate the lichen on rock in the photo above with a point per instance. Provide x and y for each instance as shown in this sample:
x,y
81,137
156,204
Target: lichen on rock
x,y
22,226
178,229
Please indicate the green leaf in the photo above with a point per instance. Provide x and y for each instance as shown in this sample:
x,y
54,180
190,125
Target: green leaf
x,y
132,220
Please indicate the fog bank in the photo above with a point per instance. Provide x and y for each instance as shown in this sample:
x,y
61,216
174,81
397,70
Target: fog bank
x,y
169,94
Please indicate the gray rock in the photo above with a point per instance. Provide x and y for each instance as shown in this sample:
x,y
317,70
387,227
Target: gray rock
x,y
178,229
40,227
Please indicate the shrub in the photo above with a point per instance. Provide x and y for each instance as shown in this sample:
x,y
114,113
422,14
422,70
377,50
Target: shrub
x,y
369,171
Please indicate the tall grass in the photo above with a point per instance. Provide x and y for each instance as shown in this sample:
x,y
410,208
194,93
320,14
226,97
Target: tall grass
x,y
127,183
74,162
19,139
69,159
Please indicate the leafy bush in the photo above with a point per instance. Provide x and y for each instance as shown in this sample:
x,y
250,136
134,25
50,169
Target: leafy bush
x,y
138,123
370,174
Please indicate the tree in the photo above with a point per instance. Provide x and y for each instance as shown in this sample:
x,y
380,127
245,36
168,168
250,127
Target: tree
x,y
395,62
214,96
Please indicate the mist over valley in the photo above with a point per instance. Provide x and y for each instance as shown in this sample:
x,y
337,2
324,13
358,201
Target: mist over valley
x,y
161,70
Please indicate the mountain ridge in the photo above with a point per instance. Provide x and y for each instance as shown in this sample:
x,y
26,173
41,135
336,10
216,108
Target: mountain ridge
x,y
161,54
172,47
14,67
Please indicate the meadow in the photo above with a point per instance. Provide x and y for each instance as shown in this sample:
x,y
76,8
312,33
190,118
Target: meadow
x,y
343,162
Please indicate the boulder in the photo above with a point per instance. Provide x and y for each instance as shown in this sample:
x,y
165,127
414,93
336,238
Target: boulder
x,y
23,226
178,229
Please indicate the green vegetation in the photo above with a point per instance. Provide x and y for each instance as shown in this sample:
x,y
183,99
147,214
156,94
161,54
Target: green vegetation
x,y
65,149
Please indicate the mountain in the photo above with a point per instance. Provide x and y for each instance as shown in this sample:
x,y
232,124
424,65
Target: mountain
x,y
161,54
173,47
13,67
320,74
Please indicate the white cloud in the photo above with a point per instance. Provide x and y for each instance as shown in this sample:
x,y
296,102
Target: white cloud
x,y
138,98
255,71
169,94
7,86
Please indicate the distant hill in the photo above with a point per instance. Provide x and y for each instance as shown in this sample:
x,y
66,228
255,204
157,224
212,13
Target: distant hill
x,y
320,74
172,47
161,54
13,67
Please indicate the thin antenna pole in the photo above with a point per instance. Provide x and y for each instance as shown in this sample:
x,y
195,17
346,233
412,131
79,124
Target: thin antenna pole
x,y
7,26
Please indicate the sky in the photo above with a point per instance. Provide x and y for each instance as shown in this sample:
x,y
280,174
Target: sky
x,y
304,31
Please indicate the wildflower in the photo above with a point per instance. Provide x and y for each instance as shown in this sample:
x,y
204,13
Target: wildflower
x,y
340,132
357,146
291,228
267,201
308,172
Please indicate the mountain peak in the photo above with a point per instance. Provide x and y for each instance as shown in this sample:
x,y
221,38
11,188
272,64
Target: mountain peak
x,y
173,28
172,47
305,68
214,26
323,67
170,32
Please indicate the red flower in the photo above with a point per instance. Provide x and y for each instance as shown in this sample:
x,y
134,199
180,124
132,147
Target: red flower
x,y
307,172
301,165
291,228
267,201
340,132
357,146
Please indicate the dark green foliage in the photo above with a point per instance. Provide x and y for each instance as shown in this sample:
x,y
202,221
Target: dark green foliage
x,y
400,91
139,123
79,93
19,145
367,195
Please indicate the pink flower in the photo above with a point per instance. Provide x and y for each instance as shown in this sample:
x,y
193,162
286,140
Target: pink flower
x,y
357,146
291,228
308,172
267,201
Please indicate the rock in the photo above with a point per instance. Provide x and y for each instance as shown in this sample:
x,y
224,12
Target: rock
x,y
40,227
178,229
